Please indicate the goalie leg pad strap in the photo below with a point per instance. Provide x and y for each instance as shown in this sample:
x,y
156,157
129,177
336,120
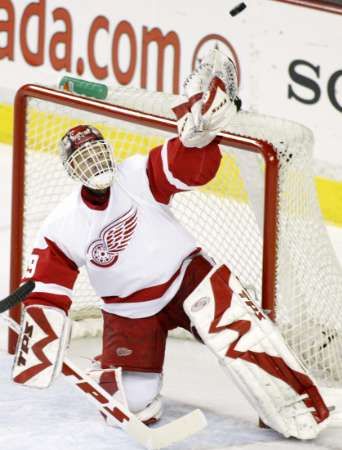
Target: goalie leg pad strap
x,y
250,347
45,334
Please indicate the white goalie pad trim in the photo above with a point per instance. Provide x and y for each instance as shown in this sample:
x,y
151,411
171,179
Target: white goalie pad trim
x,y
51,288
45,334
250,347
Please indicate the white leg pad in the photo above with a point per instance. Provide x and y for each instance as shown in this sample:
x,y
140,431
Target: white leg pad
x,y
137,391
250,347
141,389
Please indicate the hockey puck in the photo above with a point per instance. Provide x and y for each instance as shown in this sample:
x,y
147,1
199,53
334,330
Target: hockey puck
x,y
238,8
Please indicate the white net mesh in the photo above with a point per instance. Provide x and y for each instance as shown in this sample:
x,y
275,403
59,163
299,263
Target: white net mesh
x,y
226,216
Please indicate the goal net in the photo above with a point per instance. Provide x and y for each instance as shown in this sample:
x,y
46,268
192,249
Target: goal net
x,y
260,215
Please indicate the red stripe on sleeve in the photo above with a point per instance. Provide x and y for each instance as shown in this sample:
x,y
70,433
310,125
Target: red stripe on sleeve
x,y
193,166
161,189
53,266
45,299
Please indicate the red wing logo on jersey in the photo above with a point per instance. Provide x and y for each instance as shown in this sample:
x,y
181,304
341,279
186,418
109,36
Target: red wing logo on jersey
x,y
104,252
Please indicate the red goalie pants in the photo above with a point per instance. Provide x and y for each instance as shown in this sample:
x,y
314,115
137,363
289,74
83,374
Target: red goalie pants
x,y
139,344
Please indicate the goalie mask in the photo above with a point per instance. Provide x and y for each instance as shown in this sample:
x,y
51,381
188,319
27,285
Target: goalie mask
x,y
88,157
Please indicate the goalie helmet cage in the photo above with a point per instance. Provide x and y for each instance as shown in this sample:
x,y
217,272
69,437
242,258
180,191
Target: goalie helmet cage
x,y
260,215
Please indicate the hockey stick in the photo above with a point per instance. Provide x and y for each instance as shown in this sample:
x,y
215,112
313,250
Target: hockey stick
x,y
151,439
17,296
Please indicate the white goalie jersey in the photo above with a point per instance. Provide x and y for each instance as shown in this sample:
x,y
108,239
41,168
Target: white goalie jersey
x,y
134,250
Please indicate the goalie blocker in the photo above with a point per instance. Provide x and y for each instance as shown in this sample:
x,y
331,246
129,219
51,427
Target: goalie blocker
x,y
44,336
251,349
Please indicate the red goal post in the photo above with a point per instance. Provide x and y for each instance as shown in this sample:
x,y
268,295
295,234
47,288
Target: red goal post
x,y
43,114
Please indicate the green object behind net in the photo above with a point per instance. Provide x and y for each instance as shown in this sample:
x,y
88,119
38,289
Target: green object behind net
x,y
83,87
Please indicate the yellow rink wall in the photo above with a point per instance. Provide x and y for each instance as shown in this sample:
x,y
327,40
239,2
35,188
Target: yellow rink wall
x,y
6,124
329,191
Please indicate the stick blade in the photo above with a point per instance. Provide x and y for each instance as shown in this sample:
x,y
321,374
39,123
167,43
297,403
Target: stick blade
x,y
175,431
178,430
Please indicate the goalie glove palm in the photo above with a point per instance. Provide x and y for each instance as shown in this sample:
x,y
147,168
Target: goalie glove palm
x,y
210,100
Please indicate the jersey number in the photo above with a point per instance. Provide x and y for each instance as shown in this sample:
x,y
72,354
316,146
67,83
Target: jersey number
x,y
31,267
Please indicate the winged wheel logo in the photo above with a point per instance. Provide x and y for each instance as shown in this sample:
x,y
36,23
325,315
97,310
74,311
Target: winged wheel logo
x,y
114,238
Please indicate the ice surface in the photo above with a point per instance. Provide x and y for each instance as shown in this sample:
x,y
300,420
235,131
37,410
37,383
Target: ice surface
x,y
60,418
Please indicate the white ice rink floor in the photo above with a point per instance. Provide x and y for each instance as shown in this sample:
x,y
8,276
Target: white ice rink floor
x,y
59,418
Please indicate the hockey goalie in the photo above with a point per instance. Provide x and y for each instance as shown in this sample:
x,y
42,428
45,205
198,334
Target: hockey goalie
x,y
151,275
